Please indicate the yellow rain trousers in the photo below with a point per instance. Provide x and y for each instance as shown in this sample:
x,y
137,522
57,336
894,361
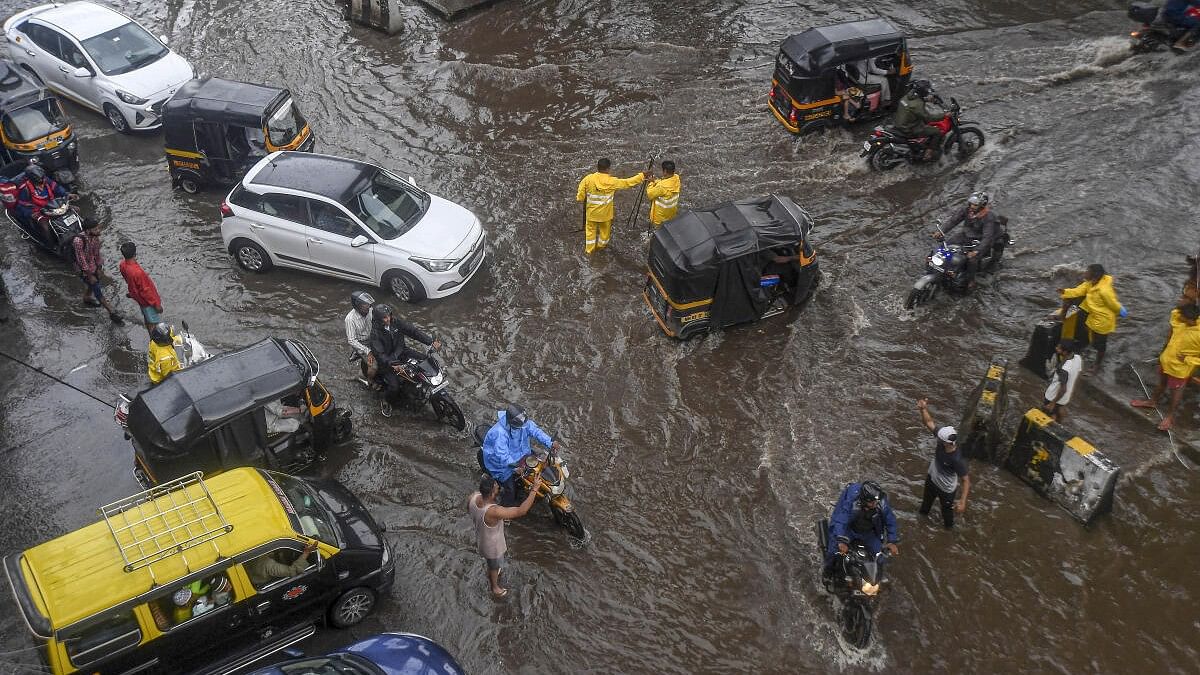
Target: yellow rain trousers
x,y
597,190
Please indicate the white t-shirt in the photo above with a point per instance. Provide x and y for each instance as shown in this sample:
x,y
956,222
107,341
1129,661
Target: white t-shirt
x,y
1071,368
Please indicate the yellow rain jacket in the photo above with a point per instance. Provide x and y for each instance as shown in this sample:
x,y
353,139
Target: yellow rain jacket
x,y
1185,344
1099,301
598,188
663,195
162,361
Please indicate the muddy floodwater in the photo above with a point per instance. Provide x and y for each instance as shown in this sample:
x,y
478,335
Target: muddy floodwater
x,y
698,468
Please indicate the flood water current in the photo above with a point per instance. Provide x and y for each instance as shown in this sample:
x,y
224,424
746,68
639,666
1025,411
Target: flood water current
x,y
698,467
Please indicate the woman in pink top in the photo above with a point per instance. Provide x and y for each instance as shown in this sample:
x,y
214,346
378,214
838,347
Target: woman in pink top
x,y
488,518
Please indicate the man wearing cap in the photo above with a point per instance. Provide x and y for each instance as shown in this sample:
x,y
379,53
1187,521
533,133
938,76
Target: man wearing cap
x,y
506,446
946,470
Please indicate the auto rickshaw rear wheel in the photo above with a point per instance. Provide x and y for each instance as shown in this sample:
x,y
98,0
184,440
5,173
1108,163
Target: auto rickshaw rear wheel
x,y
250,256
352,607
189,185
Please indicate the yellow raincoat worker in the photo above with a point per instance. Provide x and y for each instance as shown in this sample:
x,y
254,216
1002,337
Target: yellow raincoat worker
x,y
1177,362
1101,304
663,195
597,190
161,359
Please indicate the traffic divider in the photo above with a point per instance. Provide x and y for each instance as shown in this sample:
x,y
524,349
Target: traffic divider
x,y
1063,467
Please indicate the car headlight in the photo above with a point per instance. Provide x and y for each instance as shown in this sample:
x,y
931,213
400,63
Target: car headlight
x,y
130,98
72,145
387,555
434,264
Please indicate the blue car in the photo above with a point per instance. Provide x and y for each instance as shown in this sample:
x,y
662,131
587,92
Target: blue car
x,y
383,654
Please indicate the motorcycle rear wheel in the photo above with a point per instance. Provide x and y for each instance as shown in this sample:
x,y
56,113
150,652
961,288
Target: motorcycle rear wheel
x,y
447,410
856,624
885,159
571,521
970,140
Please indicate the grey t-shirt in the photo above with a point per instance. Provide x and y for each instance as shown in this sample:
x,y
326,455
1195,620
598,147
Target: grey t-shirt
x,y
946,467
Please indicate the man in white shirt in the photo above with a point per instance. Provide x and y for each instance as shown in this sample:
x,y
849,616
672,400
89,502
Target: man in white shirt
x,y
1068,364
358,330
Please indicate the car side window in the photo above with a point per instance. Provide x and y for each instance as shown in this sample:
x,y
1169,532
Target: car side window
x,y
330,218
287,207
109,634
182,603
246,199
46,38
72,54
278,565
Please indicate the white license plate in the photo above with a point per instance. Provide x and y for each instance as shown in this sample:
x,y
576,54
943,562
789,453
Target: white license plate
x,y
866,145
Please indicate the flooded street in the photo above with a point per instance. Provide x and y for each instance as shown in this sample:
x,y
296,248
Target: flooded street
x,y
698,467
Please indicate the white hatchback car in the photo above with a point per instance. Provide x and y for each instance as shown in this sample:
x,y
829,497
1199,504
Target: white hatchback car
x,y
98,58
350,220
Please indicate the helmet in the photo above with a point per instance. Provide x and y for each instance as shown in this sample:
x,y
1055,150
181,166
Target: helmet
x,y
515,415
35,172
161,334
922,88
361,300
182,597
380,311
870,492
979,199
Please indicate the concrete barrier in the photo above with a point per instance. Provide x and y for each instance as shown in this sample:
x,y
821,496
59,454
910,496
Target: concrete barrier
x,y
979,431
381,15
1046,335
1063,467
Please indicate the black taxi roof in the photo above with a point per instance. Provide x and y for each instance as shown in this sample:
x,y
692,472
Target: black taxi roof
x,y
818,49
336,178
700,240
217,99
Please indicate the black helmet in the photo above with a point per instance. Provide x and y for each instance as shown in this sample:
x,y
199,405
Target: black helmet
x,y
380,311
980,199
35,172
515,415
870,492
361,300
922,88
161,334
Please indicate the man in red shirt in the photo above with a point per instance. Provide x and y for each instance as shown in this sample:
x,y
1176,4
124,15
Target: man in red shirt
x,y
141,287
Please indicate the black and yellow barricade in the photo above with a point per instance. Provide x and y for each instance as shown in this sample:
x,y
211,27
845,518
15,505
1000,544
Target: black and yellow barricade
x,y
1063,467
979,433
1046,336
383,15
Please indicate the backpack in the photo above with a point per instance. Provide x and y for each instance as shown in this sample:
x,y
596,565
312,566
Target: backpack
x,y
66,248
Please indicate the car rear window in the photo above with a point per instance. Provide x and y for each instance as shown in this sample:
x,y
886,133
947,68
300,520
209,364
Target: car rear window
x,y
100,638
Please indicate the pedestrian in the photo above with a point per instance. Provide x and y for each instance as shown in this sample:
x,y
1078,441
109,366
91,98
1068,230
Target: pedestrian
x,y
1178,359
597,189
1102,308
1062,380
663,195
90,266
141,287
947,472
488,517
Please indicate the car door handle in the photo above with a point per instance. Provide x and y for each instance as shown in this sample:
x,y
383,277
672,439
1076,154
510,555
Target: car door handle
x,y
262,607
30,52
315,241
64,69
256,226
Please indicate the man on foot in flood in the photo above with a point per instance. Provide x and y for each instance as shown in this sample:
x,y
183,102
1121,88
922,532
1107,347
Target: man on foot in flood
x,y
1178,359
663,195
1062,381
488,518
1101,305
597,189
90,266
946,471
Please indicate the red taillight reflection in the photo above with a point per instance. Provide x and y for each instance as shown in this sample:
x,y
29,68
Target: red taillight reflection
x,y
226,212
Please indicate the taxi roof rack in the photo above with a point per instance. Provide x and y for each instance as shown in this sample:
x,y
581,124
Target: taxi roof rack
x,y
164,521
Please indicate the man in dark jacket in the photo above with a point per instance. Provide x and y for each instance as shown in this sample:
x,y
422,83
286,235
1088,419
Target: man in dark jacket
x,y
389,348
913,116
979,223
862,515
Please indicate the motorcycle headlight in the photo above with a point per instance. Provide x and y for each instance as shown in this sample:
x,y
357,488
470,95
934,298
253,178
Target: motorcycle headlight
x,y
869,588
937,260
130,98
434,264
437,379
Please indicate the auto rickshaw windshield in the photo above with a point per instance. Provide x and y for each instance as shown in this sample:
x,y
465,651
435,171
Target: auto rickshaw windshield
x,y
310,519
285,124
388,205
34,121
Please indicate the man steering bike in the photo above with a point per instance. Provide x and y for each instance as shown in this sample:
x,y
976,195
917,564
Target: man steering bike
x,y
506,446
979,224
862,515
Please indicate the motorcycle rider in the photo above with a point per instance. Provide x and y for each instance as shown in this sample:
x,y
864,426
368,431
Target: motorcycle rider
x,y
161,359
980,223
1175,13
913,117
35,193
389,348
864,515
358,330
506,446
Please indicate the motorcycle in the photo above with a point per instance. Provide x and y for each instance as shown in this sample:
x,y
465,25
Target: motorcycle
x,y
1154,34
887,148
856,581
188,350
425,383
945,263
59,217
553,491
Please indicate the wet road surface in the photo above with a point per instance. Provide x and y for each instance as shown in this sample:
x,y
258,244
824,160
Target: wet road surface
x,y
699,467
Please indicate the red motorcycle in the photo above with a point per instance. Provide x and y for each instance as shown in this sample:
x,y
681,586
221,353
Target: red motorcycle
x,y
887,148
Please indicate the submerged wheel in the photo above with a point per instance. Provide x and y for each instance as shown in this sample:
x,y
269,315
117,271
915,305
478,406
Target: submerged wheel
x,y
250,256
352,607
404,286
918,296
448,411
569,520
970,140
856,624
885,159
189,185
115,118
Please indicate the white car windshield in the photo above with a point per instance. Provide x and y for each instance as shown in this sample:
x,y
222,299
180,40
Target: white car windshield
x,y
124,49
388,205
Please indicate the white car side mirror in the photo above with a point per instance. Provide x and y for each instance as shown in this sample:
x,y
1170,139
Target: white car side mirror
x,y
162,39
413,181
82,72
360,240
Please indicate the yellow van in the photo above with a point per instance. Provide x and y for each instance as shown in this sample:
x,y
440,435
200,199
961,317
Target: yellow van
x,y
202,576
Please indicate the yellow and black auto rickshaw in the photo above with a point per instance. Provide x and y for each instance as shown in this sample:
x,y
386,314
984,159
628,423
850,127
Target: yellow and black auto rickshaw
x,y
32,124
216,129
840,74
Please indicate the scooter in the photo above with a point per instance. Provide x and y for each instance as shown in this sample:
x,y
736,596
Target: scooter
x,y
426,383
61,221
945,264
1154,34
553,491
856,581
887,148
188,350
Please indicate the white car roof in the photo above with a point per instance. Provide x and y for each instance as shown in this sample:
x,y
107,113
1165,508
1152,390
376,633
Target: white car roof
x,y
83,19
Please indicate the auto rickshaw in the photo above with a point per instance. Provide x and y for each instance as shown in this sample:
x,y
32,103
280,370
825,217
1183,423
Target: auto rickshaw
x,y
840,74
32,124
216,129
723,266
260,406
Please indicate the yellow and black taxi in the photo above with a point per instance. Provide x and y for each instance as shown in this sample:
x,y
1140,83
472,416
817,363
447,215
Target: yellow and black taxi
x,y
202,575
216,129
839,74
32,123
735,263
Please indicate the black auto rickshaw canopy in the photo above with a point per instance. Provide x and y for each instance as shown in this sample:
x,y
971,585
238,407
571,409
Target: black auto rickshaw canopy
x,y
817,51
212,99
210,416
713,259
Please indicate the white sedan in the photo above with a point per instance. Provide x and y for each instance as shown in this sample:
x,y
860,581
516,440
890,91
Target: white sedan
x,y
98,58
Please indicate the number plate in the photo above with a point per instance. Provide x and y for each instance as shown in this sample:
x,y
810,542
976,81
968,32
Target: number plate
x,y
866,145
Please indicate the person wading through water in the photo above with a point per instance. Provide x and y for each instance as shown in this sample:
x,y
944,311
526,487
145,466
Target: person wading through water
x,y
488,518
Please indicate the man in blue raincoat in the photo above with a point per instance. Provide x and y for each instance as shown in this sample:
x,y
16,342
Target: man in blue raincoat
x,y
506,446
862,514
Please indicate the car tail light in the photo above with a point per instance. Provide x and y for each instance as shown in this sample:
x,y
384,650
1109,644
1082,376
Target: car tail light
x,y
226,212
